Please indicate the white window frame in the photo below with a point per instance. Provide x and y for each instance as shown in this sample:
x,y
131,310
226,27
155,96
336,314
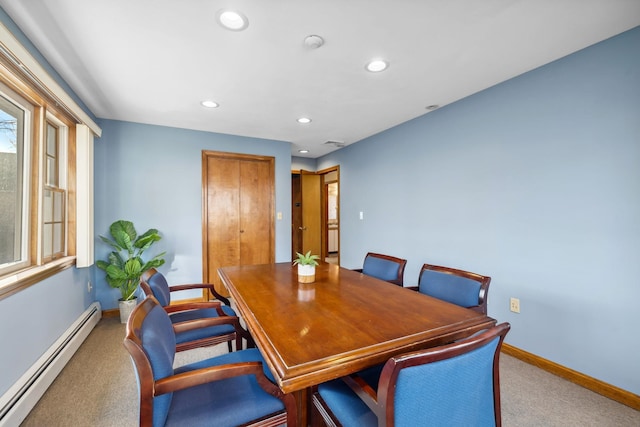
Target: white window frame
x,y
20,103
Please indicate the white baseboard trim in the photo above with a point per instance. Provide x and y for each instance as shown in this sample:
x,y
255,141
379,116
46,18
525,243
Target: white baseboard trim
x,y
20,399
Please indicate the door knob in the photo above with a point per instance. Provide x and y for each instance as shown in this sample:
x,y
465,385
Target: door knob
x,y
302,228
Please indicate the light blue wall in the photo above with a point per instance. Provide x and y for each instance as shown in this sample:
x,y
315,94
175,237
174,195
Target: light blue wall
x,y
303,163
535,182
152,175
36,317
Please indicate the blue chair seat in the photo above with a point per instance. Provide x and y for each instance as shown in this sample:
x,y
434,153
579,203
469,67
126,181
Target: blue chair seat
x,y
242,397
346,405
183,316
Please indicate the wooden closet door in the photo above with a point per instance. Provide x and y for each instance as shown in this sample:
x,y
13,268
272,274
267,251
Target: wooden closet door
x,y
256,213
238,218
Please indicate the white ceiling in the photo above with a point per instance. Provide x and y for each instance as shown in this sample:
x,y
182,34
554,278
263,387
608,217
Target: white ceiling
x,y
153,61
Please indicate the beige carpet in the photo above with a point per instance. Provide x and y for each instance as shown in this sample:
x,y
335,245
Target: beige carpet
x,y
98,389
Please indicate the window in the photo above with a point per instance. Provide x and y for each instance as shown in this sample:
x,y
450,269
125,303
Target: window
x,y
54,201
34,171
14,180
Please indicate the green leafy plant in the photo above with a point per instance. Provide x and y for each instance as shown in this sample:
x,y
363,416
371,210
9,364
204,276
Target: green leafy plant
x,y
306,259
125,265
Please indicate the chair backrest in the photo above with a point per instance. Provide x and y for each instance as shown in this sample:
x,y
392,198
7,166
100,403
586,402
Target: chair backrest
x,y
460,287
456,384
384,267
151,342
153,283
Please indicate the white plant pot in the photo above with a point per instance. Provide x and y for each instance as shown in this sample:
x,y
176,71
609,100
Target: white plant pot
x,y
126,307
306,273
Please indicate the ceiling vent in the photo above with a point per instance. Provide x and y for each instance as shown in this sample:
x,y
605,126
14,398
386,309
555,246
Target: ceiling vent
x,y
335,143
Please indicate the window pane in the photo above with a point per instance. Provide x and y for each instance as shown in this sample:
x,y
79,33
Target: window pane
x,y
47,206
58,206
52,156
57,238
47,240
51,172
51,141
11,179
53,224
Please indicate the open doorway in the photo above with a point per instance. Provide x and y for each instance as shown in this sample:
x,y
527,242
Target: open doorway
x,y
332,223
315,213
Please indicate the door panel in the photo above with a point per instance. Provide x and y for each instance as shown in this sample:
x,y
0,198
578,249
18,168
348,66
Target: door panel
x,y
255,237
223,216
311,212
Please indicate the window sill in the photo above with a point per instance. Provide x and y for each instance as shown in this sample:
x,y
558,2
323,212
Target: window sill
x,y
15,282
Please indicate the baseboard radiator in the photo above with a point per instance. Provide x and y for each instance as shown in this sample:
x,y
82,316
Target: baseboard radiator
x,y
20,399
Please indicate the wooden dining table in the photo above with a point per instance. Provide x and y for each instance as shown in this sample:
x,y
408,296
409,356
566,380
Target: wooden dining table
x,y
343,322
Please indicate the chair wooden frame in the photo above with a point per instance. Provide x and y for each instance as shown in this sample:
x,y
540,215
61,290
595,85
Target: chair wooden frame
x,y
402,263
381,401
149,388
237,335
484,281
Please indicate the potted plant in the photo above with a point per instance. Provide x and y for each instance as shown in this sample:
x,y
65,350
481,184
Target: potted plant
x,y
125,265
306,267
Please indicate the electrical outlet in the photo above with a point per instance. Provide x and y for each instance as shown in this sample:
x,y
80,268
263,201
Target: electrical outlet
x,y
515,305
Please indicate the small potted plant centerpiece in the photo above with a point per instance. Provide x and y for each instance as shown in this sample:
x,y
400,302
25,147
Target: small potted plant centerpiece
x,y
125,265
306,267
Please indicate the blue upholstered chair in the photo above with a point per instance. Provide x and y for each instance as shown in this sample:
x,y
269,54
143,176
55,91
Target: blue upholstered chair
x,y
153,283
463,288
229,390
453,385
384,267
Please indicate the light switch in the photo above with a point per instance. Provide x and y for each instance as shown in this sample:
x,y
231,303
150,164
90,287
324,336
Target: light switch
x,y
279,215
361,215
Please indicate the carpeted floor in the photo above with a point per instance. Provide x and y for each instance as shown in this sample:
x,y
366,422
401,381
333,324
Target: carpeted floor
x,y
98,389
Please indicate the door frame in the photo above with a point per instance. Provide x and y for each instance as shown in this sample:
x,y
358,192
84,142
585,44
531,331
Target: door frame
x,y
325,209
324,227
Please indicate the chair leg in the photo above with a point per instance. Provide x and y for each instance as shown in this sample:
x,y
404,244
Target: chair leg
x,y
319,417
238,341
249,339
250,342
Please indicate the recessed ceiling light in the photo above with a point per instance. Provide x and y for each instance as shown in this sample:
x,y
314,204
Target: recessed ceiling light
x,y
377,65
209,104
313,41
232,20
303,151
304,120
